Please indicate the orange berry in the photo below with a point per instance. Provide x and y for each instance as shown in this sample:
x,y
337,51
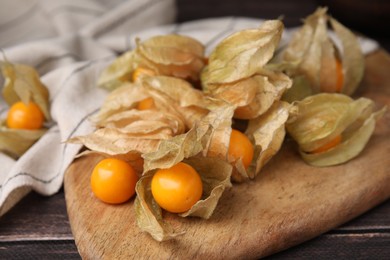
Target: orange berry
x,y
25,116
178,188
337,85
340,76
240,147
113,181
332,143
147,103
139,72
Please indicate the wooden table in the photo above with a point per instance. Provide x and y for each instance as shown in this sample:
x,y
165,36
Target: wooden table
x,y
38,226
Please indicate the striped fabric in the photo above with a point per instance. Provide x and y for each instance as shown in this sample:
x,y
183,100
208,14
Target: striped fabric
x,y
70,43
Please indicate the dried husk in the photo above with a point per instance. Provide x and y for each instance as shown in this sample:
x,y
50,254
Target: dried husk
x,y
314,54
112,141
322,117
352,57
220,118
173,150
170,94
178,96
170,55
123,98
123,130
215,175
236,72
267,132
22,83
270,88
299,90
253,96
240,55
151,124
119,71
149,214
171,49
132,131
15,142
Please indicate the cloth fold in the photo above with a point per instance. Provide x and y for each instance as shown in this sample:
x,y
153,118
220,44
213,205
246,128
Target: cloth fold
x,y
76,42
64,41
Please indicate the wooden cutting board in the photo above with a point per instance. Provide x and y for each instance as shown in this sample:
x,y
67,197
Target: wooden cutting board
x,y
287,204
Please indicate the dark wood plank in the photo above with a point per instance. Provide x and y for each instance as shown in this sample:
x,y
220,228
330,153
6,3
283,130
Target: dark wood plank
x,y
45,230
57,249
36,218
341,246
376,220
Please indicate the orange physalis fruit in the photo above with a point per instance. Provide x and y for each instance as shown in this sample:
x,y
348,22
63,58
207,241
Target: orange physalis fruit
x,y
337,83
25,116
113,181
139,72
240,147
145,104
332,143
177,188
340,76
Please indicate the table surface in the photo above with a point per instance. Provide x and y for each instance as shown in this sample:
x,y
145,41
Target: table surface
x,y
38,227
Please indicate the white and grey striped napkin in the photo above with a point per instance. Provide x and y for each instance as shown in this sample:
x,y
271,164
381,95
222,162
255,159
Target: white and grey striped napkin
x,y
70,43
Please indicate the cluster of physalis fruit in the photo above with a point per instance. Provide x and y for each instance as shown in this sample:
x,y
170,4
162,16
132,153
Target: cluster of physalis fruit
x,y
168,128
169,120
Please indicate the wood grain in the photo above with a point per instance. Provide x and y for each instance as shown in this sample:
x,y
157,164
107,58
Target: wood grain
x,y
290,202
36,217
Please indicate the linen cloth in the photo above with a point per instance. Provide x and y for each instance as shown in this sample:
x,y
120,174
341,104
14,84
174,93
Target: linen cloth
x,y
70,43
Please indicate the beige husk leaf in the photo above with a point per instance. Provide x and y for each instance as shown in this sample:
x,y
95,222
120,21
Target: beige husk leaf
x,y
236,72
267,132
119,71
123,98
312,52
240,55
179,97
321,118
149,214
113,142
22,83
170,94
352,58
170,55
173,55
123,130
270,87
15,142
